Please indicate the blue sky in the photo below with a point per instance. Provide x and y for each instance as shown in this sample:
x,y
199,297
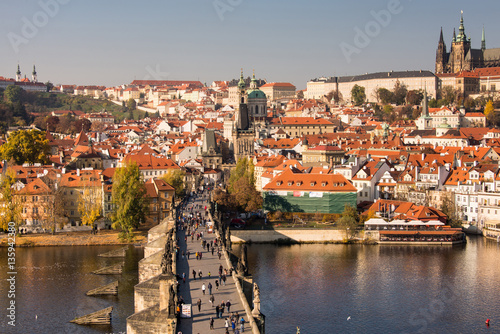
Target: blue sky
x,y
113,42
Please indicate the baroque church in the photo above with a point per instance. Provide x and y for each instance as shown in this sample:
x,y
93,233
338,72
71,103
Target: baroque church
x,y
252,110
461,56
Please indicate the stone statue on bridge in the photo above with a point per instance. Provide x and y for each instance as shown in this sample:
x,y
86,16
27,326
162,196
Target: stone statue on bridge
x,y
242,267
228,239
171,301
256,300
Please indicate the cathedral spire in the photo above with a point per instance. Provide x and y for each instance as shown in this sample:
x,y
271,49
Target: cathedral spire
x,y
241,84
33,74
441,39
483,41
461,30
454,36
253,83
18,73
425,106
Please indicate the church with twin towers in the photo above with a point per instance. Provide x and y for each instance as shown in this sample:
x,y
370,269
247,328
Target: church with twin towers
x,y
462,57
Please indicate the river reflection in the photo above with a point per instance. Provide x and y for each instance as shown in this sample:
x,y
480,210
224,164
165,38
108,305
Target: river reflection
x,y
51,283
380,289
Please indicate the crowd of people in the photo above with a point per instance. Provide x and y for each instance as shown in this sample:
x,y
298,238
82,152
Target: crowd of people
x,y
194,226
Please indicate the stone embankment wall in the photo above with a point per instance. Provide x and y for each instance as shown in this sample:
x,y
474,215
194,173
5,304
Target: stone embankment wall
x,y
152,294
287,235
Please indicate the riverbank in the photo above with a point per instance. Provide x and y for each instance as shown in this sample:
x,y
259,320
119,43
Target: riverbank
x,y
73,239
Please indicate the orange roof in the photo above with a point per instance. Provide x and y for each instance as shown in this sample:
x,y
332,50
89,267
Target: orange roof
x,y
87,178
290,181
37,186
149,161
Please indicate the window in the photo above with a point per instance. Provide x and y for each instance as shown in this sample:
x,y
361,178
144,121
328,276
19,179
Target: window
x,y
493,88
313,183
366,194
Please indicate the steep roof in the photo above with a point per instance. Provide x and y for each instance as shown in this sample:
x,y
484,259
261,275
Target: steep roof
x,y
290,181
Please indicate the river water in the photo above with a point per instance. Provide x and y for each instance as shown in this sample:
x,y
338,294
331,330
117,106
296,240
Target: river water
x,y
379,289
51,283
320,288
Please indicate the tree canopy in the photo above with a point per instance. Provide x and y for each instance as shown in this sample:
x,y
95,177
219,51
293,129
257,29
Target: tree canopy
x,y
175,177
90,204
13,94
26,146
349,221
131,104
10,210
129,199
358,95
241,193
489,108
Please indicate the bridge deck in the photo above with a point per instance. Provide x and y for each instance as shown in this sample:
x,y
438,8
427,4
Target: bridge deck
x,y
191,290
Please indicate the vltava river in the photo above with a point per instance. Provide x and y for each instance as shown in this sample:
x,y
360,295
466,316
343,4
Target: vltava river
x,y
379,289
51,283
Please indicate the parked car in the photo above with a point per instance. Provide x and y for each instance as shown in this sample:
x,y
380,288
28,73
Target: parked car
x,y
237,223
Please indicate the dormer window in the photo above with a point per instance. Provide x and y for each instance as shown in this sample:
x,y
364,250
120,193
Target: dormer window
x,y
313,183
290,183
323,184
299,183
278,183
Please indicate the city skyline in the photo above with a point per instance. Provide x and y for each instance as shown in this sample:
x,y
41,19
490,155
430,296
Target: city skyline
x,y
293,41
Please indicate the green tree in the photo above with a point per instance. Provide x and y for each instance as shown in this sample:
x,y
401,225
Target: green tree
x,y
49,85
26,146
300,94
399,93
13,94
129,199
384,95
241,193
131,104
349,221
244,168
433,103
10,208
358,95
175,177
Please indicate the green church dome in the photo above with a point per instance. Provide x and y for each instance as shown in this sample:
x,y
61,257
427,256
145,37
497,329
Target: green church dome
x,y
256,94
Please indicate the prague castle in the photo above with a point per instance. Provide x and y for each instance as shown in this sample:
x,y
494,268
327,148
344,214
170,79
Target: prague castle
x,y
461,56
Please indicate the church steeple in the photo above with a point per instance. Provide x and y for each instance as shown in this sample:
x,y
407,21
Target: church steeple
x,y
483,41
18,73
253,83
454,36
33,75
461,30
425,106
241,84
441,39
